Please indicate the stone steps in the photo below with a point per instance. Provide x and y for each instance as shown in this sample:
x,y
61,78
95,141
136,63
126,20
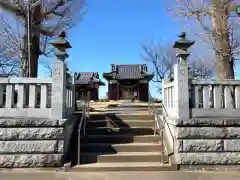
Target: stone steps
x,y
121,142
120,123
123,130
146,166
122,116
109,148
121,157
120,138
122,109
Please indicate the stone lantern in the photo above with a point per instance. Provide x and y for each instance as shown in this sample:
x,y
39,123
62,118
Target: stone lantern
x,y
59,78
61,45
183,44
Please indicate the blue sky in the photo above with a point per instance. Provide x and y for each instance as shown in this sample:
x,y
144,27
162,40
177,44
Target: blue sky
x,y
113,31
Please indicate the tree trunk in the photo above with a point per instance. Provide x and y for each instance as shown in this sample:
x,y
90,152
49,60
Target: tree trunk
x,y
34,56
224,61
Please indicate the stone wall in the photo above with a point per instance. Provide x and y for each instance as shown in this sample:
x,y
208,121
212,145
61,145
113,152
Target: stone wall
x,y
31,142
206,143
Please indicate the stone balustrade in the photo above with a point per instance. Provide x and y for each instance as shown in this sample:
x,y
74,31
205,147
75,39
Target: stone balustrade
x,y
202,120
32,115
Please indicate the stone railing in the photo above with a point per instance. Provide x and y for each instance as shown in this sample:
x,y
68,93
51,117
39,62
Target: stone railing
x,y
33,112
189,98
25,97
204,118
51,98
168,94
214,98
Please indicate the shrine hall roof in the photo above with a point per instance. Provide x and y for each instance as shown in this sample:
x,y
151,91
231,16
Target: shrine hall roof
x,y
128,71
87,78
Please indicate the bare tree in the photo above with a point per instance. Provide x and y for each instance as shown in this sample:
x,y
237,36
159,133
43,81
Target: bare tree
x,y
9,51
202,67
9,65
217,27
162,57
48,67
47,20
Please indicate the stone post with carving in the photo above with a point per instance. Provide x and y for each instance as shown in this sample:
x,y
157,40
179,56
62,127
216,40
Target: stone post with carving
x,y
181,87
58,99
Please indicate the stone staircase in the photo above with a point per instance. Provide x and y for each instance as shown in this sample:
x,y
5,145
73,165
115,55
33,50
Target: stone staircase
x,y
122,141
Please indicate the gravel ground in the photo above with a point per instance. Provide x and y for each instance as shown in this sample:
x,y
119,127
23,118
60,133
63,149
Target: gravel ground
x,y
34,175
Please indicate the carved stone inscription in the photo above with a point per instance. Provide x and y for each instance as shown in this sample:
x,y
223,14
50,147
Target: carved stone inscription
x,y
56,89
182,79
30,160
28,146
30,133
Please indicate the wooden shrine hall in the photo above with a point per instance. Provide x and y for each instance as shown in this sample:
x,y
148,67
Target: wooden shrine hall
x,y
87,82
128,81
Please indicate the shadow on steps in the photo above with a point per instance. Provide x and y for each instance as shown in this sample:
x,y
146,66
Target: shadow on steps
x,y
90,152
70,152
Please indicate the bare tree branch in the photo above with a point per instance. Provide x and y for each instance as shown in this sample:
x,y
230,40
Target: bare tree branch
x,y
214,23
162,57
10,50
48,67
202,67
49,18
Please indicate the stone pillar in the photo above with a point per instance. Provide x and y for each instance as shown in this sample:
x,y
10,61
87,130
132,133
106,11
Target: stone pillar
x,y
181,86
58,100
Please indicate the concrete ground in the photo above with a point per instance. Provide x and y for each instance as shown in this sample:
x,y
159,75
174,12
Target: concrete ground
x,y
21,175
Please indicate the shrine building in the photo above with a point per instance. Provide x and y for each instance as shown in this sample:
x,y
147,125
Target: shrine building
x,y
128,81
87,82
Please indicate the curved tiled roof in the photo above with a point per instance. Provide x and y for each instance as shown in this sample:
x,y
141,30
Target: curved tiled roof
x,y
87,78
128,71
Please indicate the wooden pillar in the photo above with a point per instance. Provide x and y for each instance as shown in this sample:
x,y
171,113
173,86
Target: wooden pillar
x,y
97,94
91,95
109,91
112,90
118,92
138,96
143,95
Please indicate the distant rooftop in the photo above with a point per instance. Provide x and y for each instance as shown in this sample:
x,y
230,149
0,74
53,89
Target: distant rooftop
x,y
85,78
128,71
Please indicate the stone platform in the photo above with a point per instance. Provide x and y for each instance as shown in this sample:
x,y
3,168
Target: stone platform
x,y
118,176
206,143
30,142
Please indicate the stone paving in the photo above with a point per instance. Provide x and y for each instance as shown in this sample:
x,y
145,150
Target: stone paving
x,y
21,175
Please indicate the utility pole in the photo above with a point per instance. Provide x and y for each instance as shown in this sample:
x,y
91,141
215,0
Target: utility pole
x,y
29,27
29,37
